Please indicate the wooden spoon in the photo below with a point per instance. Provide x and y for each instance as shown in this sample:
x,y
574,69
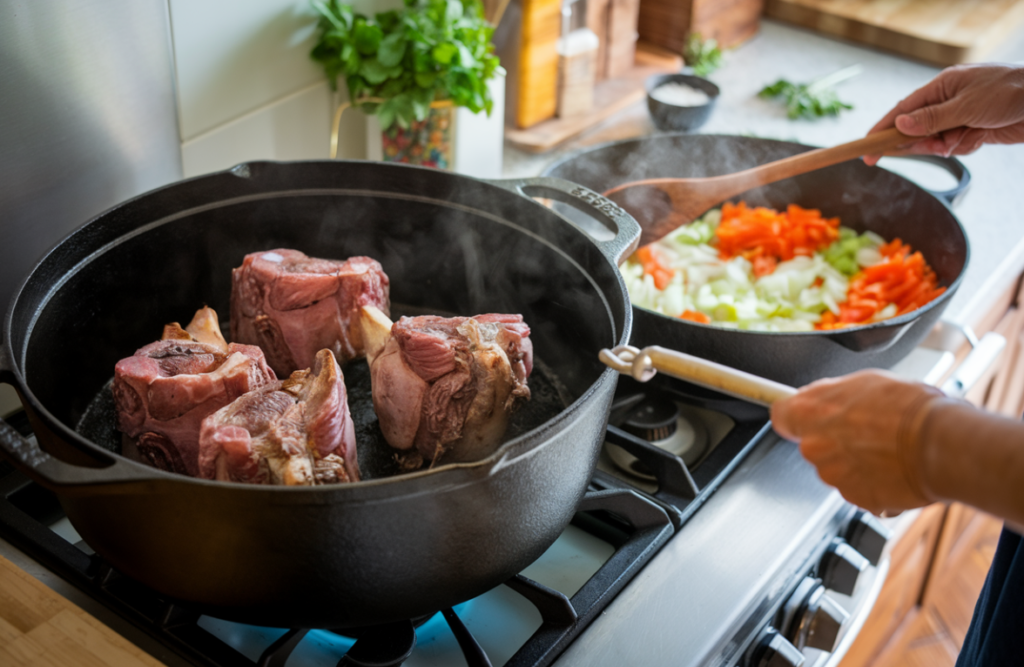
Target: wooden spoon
x,y
643,364
661,205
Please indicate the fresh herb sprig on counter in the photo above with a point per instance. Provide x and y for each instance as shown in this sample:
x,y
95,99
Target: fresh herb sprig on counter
x,y
397,63
813,100
702,56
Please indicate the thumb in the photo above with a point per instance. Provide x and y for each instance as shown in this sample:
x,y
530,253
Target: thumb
x,y
910,125
930,119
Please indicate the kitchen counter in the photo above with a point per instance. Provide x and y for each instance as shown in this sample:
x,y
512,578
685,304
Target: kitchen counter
x,y
990,210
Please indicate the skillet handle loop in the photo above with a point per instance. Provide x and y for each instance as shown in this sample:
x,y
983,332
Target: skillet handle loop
x,y
643,364
955,167
610,214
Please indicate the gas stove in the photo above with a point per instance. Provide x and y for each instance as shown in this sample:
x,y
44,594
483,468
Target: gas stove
x,y
704,539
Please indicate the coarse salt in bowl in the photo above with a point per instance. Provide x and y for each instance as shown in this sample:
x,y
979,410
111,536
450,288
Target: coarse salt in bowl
x,y
680,102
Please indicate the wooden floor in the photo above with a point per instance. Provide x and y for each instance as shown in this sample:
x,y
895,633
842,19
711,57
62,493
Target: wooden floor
x,y
932,634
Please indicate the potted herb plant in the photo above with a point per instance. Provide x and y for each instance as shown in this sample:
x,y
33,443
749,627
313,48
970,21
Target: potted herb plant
x,y
410,67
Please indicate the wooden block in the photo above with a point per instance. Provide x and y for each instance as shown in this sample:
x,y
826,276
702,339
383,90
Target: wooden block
x,y
39,628
538,61
597,20
620,37
942,32
668,23
652,55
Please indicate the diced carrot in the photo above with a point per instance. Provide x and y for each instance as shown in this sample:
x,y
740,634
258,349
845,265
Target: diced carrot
x,y
761,234
695,316
661,274
764,265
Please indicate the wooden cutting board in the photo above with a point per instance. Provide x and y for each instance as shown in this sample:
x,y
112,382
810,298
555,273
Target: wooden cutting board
x,y
39,628
942,32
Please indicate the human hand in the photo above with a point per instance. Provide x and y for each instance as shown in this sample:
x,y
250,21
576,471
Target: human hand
x,y
861,433
959,110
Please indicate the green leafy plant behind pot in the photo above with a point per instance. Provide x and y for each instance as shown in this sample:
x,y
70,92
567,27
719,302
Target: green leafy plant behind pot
x,y
397,63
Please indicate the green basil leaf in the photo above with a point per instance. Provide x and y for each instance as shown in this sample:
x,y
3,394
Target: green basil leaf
x,y
392,49
391,88
426,80
353,62
421,103
386,115
466,58
373,71
443,53
366,37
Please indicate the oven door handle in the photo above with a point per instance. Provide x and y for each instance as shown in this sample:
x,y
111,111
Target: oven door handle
x,y
856,622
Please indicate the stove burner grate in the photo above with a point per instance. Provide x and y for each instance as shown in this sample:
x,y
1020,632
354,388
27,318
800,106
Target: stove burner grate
x,y
636,527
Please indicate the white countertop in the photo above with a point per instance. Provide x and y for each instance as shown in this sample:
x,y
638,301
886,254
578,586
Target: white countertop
x,y
990,211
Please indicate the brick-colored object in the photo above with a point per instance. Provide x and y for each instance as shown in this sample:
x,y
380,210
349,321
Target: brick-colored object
x,y
667,23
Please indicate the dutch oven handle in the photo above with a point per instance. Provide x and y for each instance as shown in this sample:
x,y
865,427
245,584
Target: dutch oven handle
x,y
50,472
955,167
607,212
642,365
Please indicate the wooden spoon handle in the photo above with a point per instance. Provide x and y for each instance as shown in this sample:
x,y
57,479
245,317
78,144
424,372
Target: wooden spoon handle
x,y
643,364
734,184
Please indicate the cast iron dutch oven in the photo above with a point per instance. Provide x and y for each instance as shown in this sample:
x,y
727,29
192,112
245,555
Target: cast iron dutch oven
x,y
863,197
332,556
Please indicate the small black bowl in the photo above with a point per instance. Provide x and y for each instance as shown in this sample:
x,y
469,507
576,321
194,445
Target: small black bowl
x,y
672,118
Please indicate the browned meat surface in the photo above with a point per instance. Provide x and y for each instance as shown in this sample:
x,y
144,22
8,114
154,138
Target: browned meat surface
x,y
443,388
165,390
297,432
293,306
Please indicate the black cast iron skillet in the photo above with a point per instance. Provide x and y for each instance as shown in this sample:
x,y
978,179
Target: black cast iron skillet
x,y
384,549
863,197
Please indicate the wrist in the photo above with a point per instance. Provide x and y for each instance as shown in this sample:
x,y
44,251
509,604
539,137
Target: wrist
x,y
938,422
914,445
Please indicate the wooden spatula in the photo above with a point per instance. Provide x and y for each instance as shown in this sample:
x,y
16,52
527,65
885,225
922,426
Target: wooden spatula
x,y
661,205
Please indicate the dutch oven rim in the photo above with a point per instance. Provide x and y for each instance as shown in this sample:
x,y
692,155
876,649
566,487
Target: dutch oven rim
x,y
457,473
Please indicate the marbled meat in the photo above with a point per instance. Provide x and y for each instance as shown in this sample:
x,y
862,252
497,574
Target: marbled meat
x,y
296,432
293,306
165,390
443,388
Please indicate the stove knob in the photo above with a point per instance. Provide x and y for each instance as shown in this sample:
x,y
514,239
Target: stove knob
x,y
841,566
867,535
774,650
817,621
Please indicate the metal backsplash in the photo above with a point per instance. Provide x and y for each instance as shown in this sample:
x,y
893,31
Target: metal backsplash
x,y
87,118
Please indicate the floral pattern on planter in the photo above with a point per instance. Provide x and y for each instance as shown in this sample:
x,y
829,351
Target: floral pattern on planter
x,y
427,142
